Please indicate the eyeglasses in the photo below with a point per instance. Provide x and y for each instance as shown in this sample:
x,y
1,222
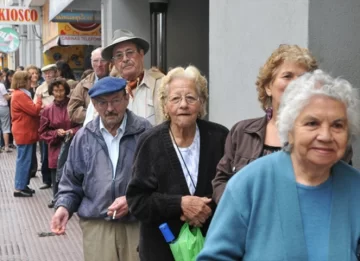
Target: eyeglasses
x,y
188,98
97,61
128,54
104,104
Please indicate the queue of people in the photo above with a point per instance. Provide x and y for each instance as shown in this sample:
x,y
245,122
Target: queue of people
x,y
278,187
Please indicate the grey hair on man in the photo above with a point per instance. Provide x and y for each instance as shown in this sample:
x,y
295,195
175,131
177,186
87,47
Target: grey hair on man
x,y
318,83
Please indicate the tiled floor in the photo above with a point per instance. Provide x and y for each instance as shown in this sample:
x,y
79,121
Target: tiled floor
x,y
21,219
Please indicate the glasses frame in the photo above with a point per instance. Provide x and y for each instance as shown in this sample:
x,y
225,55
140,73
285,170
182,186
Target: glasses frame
x,y
189,99
128,54
105,104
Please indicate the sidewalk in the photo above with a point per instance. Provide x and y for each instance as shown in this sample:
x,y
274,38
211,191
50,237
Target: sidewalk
x,y
21,219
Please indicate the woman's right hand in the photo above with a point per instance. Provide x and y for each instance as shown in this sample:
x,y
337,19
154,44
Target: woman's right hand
x,y
195,210
61,132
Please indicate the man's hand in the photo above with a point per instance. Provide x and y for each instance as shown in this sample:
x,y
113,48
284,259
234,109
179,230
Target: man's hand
x,y
59,221
119,206
195,210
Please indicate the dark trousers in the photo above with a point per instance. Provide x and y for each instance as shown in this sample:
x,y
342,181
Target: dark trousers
x,y
45,171
55,184
34,164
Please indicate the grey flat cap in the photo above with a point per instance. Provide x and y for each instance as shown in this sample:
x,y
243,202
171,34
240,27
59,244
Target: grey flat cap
x,y
120,36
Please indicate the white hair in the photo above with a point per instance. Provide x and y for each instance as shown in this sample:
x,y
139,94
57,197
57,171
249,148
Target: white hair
x,y
299,92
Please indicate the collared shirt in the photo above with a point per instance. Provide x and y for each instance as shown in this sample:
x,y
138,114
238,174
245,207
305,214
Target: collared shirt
x,y
91,112
113,143
142,103
189,158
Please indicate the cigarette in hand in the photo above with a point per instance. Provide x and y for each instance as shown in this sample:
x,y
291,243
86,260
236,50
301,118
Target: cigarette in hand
x,y
113,217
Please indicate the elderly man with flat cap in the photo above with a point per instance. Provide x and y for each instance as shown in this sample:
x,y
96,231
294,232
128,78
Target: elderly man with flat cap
x,y
97,173
42,91
127,53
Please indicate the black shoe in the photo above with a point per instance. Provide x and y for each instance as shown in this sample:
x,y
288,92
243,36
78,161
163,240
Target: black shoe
x,y
22,193
45,186
51,204
27,189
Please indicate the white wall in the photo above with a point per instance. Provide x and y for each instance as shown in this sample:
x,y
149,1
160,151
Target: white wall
x,y
131,15
242,36
188,34
334,39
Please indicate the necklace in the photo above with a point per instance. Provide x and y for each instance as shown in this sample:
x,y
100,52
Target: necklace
x,y
181,156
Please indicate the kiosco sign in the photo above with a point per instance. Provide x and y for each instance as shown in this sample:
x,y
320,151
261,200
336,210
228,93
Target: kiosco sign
x,y
19,15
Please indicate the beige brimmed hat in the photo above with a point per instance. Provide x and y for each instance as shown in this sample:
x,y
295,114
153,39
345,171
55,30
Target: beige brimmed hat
x,y
49,67
120,36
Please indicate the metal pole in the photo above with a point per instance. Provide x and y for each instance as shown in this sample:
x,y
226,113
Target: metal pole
x,y
158,10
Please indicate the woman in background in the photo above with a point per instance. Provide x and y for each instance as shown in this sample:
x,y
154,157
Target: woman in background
x,y
55,125
253,138
25,124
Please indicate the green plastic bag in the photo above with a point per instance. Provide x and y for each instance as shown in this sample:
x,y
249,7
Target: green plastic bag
x,y
188,244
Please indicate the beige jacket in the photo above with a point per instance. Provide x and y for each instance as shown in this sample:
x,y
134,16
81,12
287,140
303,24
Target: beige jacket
x,y
146,101
79,99
45,96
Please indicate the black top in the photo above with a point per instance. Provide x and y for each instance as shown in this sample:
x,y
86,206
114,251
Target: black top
x,y
158,183
267,149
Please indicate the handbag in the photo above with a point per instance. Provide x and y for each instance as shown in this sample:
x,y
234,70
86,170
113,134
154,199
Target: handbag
x,y
64,150
188,244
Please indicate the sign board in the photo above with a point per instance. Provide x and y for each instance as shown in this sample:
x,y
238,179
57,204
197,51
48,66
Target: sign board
x,y
19,15
78,17
9,40
80,40
57,6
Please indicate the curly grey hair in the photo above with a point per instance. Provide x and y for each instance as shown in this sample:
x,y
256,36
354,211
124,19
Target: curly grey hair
x,y
190,72
299,92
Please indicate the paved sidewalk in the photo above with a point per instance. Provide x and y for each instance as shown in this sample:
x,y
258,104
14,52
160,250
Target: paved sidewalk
x,y
21,219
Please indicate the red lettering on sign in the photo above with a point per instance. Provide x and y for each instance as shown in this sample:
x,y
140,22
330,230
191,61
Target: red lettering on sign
x,y
14,15
2,16
21,15
34,15
7,15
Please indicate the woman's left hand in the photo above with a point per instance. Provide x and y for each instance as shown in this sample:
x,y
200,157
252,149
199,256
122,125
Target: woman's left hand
x,y
195,210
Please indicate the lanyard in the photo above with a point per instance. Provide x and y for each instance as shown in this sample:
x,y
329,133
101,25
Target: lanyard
x,y
177,147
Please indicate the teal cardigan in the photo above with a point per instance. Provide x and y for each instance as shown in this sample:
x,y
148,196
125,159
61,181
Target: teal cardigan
x,y
258,217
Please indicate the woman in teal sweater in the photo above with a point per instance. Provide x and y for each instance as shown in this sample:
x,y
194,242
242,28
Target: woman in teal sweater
x,y
300,203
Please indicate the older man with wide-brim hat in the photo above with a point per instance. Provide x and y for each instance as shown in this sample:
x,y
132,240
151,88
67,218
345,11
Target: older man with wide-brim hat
x,y
127,53
96,175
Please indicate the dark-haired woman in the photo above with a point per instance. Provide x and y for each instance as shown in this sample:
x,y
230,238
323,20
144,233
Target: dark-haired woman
x,y
55,125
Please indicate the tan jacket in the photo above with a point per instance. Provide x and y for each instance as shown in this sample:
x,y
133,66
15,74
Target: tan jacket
x,y
80,99
146,97
45,96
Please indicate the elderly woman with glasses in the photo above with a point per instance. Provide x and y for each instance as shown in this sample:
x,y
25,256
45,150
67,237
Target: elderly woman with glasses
x,y
55,126
25,123
299,203
251,139
175,163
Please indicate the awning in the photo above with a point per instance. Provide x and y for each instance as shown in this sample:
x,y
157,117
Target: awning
x,y
65,40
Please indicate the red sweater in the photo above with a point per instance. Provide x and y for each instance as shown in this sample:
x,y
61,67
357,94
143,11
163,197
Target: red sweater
x,y
25,118
55,116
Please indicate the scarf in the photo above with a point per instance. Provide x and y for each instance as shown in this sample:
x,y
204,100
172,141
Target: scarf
x,y
131,85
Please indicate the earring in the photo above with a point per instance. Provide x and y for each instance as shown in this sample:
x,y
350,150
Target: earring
x,y
269,109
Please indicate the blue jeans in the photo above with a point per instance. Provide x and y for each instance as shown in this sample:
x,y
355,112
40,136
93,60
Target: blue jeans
x,y
23,165
45,171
